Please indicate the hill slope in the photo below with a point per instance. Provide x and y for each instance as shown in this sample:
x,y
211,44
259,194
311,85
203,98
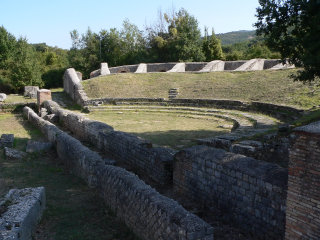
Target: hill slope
x,y
264,86
236,36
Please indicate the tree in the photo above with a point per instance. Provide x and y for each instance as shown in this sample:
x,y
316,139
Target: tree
x,y
211,46
7,42
25,68
292,28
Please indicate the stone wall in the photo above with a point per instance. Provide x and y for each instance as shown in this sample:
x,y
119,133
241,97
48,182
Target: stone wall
x,y
73,87
303,203
153,162
248,191
149,214
124,69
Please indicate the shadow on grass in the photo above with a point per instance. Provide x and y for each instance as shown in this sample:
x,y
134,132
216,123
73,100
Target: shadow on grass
x,y
73,210
178,139
63,99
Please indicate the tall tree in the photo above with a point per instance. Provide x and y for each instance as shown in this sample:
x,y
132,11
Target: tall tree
x,y
7,43
292,28
25,69
211,46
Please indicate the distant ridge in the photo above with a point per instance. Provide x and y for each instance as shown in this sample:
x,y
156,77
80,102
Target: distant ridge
x,y
236,36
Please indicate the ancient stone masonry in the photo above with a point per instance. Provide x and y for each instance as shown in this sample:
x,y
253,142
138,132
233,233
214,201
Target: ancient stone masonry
x,y
248,191
303,202
149,214
73,87
243,65
154,162
22,210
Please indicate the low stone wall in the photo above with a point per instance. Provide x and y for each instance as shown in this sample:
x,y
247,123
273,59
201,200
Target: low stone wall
x,y
124,69
15,107
277,111
155,163
195,66
160,67
303,203
248,191
23,211
149,214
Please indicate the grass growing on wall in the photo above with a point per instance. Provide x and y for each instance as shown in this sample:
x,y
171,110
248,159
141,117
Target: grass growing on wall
x,y
264,86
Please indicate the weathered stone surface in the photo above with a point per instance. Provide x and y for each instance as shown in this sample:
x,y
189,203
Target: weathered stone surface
x,y
149,214
213,66
251,193
303,202
3,97
142,68
104,69
179,67
43,112
53,118
13,153
31,91
23,210
6,140
35,146
43,95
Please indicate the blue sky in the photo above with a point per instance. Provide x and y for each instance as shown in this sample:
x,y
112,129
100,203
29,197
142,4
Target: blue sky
x,y
51,21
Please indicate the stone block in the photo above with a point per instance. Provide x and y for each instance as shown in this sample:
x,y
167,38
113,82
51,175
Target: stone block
x,y
31,91
35,146
6,140
3,97
13,153
43,95
23,211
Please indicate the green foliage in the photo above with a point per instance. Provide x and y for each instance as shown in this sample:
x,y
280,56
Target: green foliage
x,y
211,47
292,28
24,66
236,37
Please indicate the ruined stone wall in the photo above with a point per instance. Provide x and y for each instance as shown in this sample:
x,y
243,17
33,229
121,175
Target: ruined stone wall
x,y
73,87
149,214
248,191
303,203
153,162
124,69
160,67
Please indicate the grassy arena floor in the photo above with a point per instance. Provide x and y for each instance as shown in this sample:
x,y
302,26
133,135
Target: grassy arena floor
x,y
264,86
165,129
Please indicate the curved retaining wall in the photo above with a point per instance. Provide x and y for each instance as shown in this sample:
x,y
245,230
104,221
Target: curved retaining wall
x,y
149,214
152,162
278,111
242,65
250,192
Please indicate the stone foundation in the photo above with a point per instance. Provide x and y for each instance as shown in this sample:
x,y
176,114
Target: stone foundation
x,y
303,203
252,193
149,214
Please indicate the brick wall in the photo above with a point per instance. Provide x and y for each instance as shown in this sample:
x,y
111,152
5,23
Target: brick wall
x,y
303,202
252,193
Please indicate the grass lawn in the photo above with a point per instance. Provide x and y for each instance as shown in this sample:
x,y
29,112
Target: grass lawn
x,y
166,129
264,86
73,211
15,98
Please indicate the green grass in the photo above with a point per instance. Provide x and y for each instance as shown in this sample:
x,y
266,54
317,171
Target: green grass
x,y
264,86
166,129
15,98
73,211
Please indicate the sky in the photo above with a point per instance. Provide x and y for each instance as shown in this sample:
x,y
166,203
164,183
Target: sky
x,y
51,21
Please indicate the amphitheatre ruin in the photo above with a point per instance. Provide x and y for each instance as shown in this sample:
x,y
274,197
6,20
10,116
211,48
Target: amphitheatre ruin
x,y
244,163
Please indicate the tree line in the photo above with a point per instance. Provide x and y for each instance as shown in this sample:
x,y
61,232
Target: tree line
x,y
174,37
